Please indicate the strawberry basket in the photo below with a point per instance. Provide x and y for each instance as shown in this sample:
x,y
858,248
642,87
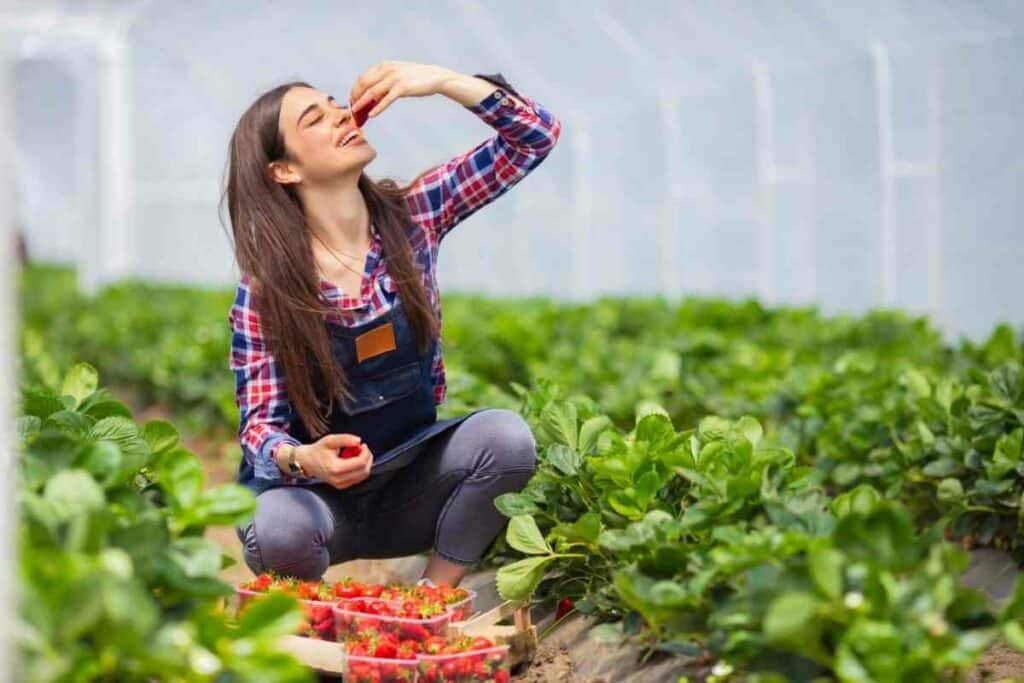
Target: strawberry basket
x,y
359,615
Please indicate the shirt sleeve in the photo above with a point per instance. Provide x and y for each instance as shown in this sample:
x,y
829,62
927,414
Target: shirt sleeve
x,y
264,412
450,192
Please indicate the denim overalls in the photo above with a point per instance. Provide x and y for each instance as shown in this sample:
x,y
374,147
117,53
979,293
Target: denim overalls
x,y
393,408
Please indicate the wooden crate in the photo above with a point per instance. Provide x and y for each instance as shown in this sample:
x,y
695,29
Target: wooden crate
x,y
328,657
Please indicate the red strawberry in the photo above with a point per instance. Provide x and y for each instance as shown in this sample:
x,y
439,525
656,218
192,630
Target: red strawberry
x,y
350,452
565,605
481,643
361,115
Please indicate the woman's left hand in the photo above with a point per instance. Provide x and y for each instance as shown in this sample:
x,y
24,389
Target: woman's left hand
x,y
387,81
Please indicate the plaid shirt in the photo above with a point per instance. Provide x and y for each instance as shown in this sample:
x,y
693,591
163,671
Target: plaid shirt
x,y
448,194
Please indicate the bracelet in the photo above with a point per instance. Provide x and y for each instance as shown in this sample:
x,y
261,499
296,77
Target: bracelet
x,y
294,467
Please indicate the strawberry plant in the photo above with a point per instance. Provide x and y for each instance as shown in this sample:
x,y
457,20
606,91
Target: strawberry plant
x,y
115,578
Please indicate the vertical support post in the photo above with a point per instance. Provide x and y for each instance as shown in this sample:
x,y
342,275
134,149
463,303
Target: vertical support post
x,y
668,221
583,202
8,321
768,233
886,175
936,302
111,254
86,177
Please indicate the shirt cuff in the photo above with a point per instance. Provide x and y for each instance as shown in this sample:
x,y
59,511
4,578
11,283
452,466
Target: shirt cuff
x,y
266,466
498,101
500,81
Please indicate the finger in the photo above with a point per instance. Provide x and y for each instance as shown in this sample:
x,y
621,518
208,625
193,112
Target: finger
x,y
350,480
383,104
378,92
366,80
343,465
341,440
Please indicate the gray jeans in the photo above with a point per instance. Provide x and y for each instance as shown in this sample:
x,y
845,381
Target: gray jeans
x,y
443,500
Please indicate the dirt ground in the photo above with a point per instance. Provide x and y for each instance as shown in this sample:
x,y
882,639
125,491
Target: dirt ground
x,y
549,665
999,664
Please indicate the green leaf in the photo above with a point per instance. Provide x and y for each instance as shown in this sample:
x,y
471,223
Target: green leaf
x,y
69,422
789,618
950,491
122,431
586,529
28,424
625,503
40,403
196,556
79,382
103,460
181,476
559,420
884,537
646,409
518,580
73,493
751,429
512,504
227,504
273,614
160,435
524,536
917,383
591,430
826,569
1014,634
861,499
647,487
564,459
655,428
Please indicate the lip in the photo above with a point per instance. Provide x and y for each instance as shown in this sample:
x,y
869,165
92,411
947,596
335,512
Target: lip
x,y
342,135
357,140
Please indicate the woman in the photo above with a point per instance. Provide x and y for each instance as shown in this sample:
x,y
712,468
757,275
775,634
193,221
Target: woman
x,y
336,323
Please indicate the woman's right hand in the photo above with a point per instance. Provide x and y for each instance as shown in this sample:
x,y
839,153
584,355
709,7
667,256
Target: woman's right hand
x,y
323,460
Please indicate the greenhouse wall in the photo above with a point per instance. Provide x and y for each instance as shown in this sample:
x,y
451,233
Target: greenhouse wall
x,y
801,153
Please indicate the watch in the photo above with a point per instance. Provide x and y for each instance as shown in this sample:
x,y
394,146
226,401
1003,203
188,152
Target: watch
x,y
294,468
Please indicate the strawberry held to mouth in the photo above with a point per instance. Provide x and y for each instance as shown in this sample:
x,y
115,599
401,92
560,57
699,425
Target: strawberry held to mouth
x,y
361,115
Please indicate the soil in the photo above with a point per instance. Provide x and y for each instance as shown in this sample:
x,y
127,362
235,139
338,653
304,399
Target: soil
x,y
550,665
1000,663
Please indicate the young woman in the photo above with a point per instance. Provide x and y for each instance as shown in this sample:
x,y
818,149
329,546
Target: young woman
x,y
336,323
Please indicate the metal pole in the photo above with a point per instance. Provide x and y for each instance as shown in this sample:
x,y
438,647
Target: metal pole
x,y
113,249
936,303
582,213
8,320
887,178
768,233
668,222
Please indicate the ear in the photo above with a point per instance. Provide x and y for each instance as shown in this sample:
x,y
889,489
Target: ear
x,y
282,172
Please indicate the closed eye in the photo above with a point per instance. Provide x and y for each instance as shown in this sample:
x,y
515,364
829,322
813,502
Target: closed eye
x,y
333,101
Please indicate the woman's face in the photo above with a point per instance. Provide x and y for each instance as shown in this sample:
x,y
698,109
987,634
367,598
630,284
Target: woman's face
x,y
314,125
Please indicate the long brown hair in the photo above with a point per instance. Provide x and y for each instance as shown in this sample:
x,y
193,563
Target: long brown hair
x,y
272,244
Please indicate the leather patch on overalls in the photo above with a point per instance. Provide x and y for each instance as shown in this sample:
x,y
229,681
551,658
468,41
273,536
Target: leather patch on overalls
x,y
375,342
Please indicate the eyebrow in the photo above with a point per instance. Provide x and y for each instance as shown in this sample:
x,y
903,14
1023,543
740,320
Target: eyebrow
x,y
330,98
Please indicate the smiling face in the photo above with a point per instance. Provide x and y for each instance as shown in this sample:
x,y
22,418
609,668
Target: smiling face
x,y
314,126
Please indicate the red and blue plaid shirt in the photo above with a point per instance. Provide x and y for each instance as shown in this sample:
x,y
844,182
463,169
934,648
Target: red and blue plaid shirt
x,y
448,194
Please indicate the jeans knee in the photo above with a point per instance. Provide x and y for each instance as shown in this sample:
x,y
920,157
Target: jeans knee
x,y
288,535
510,440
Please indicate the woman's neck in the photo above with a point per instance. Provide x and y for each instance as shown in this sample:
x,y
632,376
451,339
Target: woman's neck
x,y
340,218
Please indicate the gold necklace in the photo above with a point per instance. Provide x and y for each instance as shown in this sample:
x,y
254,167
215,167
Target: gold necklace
x,y
345,265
